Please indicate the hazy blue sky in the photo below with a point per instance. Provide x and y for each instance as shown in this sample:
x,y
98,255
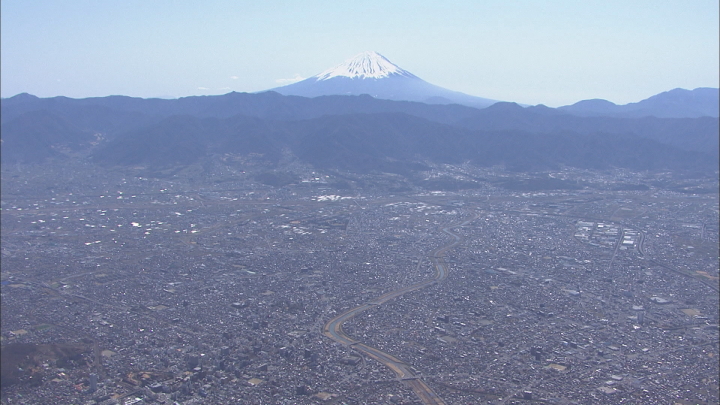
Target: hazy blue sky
x,y
550,52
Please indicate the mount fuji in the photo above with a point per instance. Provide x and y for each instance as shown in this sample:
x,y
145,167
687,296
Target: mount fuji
x,y
373,74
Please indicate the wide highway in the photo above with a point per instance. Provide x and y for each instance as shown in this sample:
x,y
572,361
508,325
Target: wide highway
x,y
333,329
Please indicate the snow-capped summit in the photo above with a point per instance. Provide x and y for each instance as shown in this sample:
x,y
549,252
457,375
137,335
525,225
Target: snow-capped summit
x,y
366,65
373,74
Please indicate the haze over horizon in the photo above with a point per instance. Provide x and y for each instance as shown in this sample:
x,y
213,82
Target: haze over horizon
x,y
527,52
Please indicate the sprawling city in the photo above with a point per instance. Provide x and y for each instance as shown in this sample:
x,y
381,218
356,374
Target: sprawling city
x,y
210,286
252,202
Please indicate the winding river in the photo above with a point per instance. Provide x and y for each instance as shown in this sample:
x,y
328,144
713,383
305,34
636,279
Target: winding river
x,y
404,371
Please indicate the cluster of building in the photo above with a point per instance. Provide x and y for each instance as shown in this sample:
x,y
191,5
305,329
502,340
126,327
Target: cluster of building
x,y
174,293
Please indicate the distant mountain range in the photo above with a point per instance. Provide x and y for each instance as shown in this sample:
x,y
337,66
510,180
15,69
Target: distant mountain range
x,y
355,133
371,73
366,114
677,103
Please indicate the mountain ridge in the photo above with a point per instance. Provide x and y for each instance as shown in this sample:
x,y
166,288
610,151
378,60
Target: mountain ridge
x,y
675,103
369,142
339,131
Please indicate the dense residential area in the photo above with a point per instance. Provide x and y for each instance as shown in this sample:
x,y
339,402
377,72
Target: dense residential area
x,y
209,286
217,203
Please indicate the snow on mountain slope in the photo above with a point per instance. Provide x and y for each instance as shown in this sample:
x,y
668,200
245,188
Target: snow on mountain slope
x,y
366,65
373,74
